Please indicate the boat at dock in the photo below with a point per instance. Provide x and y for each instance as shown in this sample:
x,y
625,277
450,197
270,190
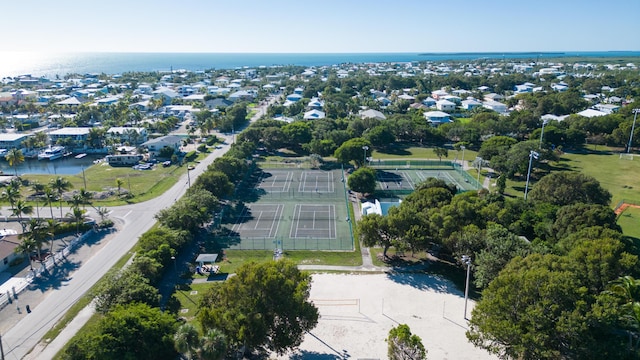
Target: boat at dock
x,y
80,156
52,153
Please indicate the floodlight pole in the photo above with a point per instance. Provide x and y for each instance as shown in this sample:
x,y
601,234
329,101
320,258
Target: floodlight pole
x,y
633,127
526,187
462,147
544,122
467,261
365,148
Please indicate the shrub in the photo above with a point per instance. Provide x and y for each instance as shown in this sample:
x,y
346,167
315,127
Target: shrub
x,y
190,156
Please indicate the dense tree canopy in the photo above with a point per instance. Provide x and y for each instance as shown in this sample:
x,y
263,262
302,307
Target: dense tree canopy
x,y
403,345
363,180
264,305
565,188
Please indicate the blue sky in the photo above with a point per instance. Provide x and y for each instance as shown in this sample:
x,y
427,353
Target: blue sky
x,y
320,25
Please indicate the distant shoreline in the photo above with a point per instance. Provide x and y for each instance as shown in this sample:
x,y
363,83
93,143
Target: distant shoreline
x,y
61,64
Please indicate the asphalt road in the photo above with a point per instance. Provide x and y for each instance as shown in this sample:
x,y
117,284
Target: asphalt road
x,y
137,219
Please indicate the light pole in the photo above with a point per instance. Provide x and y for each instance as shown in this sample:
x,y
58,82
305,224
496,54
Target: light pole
x,y
532,154
365,148
462,147
633,127
467,261
544,122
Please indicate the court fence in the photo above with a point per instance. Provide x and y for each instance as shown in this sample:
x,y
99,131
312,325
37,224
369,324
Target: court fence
x,y
412,164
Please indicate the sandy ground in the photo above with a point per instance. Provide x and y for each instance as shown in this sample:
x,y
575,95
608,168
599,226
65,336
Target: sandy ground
x,y
357,312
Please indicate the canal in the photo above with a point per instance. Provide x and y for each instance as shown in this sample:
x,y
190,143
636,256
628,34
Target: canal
x,y
64,166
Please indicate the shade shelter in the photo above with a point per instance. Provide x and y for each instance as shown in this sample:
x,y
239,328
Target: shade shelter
x,y
206,262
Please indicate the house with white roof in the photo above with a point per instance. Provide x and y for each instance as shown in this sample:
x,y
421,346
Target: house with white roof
x,y
314,114
438,94
436,118
495,106
429,101
591,113
75,137
470,104
607,108
445,105
167,95
242,95
315,103
131,135
10,141
493,97
372,114
155,145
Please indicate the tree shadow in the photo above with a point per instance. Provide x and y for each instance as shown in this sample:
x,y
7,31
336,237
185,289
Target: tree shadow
x,y
422,281
55,278
395,149
313,355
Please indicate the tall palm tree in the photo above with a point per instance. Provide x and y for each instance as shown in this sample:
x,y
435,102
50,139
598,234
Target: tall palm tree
x,y
37,233
11,194
50,229
77,215
50,196
38,190
102,212
22,208
14,157
26,247
85,197
60,185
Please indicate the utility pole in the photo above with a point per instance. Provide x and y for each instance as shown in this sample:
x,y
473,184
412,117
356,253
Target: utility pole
x,y
633,127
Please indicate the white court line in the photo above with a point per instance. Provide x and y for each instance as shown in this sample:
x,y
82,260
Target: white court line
x,y
127,214
278,216
408,181
238,225
258,220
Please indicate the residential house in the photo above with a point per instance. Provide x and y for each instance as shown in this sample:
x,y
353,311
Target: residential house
x,y
495,106
454,99
314,114
131,135
559,87
218,103
315,103
372,114
406,97
420,106
155,145
439,94
384,102
470,104
591,113
166,95
12,140
607,108
242,95
493,97
436,118
8,243
73,137
522,89
445,105
484,88
429,101
294,97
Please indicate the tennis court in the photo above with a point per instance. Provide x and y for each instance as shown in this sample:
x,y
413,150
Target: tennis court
x,y
314,221
291,209
403,176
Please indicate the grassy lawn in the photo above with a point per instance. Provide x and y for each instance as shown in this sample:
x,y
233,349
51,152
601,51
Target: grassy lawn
x,y
144,184
190,300
619,176
629,221
417,152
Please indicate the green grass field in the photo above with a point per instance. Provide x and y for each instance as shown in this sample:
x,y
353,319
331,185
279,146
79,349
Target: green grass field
x,y
629,221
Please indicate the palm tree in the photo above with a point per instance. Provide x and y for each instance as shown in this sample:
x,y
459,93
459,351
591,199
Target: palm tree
x,y
119,183
77,215
22,208
50,196
37,233
213,345
186,339
102,212
60,185
38,190
50,229
26,247
12,194
85,197
628,289
15,157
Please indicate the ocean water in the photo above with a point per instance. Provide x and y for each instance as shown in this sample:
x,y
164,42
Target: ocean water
x,y
59,64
